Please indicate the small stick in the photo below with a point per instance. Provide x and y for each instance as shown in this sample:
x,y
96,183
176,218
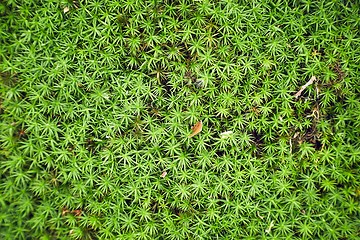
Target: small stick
x,y
312,79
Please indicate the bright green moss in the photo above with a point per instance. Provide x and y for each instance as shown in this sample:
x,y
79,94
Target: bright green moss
x,y
97,102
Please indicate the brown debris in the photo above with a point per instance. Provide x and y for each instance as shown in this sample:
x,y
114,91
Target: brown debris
x,y
303,87
339,72
64,211
76,212
196,129
163,175
268,230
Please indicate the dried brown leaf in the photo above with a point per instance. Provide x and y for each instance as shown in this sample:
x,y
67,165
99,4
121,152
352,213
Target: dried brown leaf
x,y
76,212
196,129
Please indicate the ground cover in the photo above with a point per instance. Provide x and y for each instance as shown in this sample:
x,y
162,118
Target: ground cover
x,y
98,100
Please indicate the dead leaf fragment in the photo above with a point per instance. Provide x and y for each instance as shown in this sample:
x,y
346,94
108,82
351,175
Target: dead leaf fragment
x,y
163,175
226,134
296,134
312,79
75,4
64,211
268,230
357,192
76,212
196,129
66,9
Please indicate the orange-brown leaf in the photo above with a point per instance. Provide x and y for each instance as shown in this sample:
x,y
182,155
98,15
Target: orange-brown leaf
x,y
77,212
196,129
